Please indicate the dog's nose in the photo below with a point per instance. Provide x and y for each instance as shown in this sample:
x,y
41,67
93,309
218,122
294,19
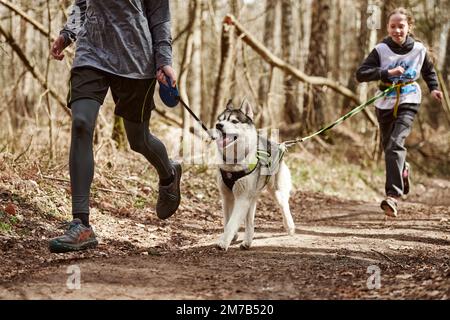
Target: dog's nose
x,y
219,126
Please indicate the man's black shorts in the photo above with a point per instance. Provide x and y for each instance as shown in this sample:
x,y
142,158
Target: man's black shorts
x,y
133,97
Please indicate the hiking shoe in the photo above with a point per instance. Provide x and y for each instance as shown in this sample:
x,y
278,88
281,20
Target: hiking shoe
x,y
406,180
389,206
77,237
169,196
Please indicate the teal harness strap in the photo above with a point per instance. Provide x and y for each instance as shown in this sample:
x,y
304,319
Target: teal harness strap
x,y
264,160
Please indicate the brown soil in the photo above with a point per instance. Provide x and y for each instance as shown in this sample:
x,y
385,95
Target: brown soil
x,y
140,257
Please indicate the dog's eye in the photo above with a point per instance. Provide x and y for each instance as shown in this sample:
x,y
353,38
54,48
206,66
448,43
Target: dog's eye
x,y
234,121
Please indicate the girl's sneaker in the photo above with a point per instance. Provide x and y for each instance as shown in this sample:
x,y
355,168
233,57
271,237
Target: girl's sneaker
x,y
389,206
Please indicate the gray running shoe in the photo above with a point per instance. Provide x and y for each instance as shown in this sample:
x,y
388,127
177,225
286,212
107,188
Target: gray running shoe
x,y
77,237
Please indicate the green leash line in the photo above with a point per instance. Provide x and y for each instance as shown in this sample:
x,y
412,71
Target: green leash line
x,y
343,118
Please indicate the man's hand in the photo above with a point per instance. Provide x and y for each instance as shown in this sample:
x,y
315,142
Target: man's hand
x,y
437,95
166,71
57,48
398,71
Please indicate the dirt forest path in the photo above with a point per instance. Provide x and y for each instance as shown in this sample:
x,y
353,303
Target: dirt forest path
x,y
338,245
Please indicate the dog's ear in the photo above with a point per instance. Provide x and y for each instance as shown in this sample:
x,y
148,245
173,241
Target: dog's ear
x,y
246,108
230,105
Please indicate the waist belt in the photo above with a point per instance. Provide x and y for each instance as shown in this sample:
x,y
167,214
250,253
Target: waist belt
x,y
398,89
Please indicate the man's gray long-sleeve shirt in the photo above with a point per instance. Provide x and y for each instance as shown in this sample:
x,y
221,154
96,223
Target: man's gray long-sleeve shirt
x,y
129,38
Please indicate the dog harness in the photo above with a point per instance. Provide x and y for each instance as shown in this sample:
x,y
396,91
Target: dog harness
x,y
268,158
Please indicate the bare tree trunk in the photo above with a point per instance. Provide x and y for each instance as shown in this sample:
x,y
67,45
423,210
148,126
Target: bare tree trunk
x,y
336,41
191,146
196,61
361,45
47,96
291,111
204,55
12,71
446,68
224,77
187,68
236,11
315,102
266,75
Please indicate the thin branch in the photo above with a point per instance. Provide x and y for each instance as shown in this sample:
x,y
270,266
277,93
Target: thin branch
x,y
47,97
25,151
446,101
33,70
387,257
247,76
181,33
265,53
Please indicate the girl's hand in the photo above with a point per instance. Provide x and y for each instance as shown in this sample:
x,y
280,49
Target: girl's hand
x,y
398,71
437,95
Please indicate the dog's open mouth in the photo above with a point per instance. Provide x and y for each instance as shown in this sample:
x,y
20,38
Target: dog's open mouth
x,y
226,140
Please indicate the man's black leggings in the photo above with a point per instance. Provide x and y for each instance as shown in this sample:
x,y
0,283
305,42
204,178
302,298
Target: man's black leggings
x,y
81,161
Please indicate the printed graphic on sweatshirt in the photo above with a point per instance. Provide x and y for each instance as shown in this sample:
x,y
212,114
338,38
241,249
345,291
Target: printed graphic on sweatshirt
x,y
408,76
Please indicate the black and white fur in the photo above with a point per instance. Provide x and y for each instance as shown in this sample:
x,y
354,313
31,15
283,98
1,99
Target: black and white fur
x,y
237,132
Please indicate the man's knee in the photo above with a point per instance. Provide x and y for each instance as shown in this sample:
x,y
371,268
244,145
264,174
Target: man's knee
x,y
81,126
138,136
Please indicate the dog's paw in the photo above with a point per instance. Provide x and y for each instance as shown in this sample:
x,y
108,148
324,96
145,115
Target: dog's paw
x,y
290,229
245,246
221,246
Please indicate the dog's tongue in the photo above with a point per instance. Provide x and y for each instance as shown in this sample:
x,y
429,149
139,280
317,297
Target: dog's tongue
x,y
222,143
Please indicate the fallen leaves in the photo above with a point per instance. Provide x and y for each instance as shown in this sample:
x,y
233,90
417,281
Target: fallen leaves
x,y
11,209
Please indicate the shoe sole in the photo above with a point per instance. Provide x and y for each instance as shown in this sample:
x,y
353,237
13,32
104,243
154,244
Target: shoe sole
x,y
179,174
388,210
56,247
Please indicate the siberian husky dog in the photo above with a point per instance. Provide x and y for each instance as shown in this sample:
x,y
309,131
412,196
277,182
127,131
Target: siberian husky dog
x,y
248,164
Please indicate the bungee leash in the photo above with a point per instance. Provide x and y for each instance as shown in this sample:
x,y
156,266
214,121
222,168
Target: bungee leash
x,y
171,97
350,114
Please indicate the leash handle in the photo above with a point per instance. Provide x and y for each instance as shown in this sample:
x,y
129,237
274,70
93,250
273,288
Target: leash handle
x,y
169,95
169,82
173,90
